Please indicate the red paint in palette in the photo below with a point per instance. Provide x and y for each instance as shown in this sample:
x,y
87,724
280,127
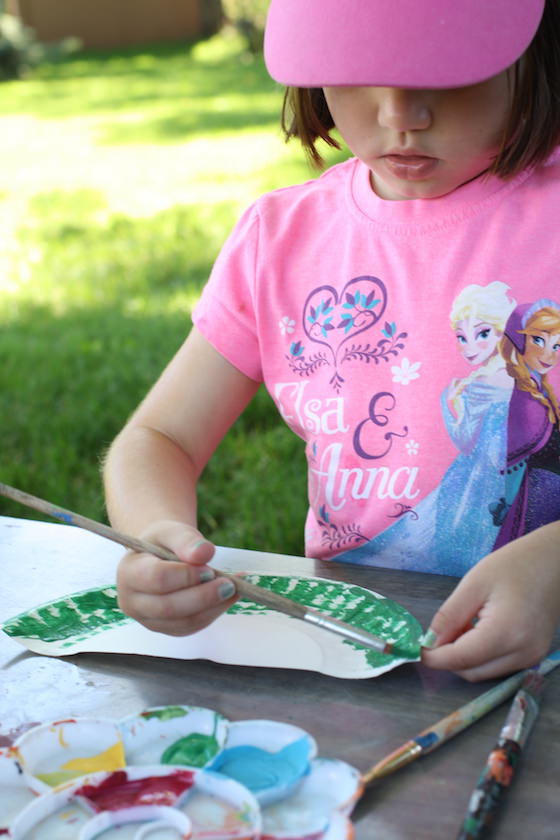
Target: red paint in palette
x,y
118,791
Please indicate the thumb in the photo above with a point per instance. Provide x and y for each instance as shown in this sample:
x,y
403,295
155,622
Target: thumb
x,y
189,545
457,614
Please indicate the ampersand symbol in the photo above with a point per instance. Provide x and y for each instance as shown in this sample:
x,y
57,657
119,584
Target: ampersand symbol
x,y
378,419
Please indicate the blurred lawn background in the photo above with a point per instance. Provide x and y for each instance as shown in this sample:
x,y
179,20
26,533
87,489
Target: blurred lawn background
x,y
122,174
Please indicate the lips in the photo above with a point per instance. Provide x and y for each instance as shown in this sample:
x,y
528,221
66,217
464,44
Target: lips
x,y
411,167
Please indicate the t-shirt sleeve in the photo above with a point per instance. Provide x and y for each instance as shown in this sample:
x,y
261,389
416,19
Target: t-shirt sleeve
x,y
225,313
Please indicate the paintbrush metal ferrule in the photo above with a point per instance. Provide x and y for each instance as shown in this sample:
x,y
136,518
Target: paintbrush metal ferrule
x,y
393,762
353,634
524,709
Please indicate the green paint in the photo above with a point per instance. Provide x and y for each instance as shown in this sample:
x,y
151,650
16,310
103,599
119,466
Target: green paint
x,y
351,604
77,616
58,777
195,750
86,613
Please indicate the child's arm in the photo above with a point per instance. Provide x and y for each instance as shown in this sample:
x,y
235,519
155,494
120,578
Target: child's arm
x,y
151,472
514,593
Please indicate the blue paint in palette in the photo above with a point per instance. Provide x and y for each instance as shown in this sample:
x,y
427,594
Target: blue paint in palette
x,y
261,770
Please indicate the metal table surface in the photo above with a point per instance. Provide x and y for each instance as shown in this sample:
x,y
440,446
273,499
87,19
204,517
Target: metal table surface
x,y
358,721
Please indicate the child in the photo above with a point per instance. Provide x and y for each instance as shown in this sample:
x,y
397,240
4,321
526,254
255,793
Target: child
x,y
336,293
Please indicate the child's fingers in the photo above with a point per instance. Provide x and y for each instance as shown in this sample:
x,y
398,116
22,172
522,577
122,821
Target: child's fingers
x,y
192,548
457,614
182,611
500,667
482,654
475,655
183,540
145,573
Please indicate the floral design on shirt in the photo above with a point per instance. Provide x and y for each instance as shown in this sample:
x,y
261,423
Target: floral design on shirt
x,y
335,536
334,321
406,372
287,325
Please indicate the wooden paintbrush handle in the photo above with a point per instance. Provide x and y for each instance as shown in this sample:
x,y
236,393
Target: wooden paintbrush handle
x,y
243,587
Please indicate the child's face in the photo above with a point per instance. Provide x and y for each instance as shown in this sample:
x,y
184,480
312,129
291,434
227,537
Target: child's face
x,y
542,351
476,338
422,143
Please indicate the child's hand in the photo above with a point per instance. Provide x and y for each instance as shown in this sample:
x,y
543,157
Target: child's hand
x,y
504,612
173,598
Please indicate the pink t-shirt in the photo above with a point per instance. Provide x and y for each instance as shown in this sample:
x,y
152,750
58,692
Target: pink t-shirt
x,y
375,326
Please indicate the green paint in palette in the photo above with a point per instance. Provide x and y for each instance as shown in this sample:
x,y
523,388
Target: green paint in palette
x,y
195,750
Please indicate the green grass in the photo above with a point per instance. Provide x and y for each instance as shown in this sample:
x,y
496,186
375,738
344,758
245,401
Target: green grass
x,y
122,175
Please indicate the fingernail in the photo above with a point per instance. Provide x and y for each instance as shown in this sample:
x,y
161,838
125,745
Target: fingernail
x,y
429,638
206,575
226,590
201,541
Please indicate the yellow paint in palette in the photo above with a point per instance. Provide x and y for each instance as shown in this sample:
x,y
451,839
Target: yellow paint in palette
x,y
112,758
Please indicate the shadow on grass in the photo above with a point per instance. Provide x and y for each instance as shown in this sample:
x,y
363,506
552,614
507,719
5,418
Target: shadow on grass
x,y
151,94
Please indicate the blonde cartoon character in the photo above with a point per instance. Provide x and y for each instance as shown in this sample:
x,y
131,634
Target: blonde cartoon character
x,y
478,318
446,530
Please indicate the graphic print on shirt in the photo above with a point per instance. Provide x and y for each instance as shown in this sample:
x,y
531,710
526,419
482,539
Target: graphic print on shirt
x,y
531,349
452,527
332,322
334,326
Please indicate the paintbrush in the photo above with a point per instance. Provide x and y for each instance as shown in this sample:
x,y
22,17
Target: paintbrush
x,y
502,762
243,587
446,728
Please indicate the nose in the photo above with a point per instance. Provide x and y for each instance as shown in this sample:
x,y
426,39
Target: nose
x,y
548,356
403,109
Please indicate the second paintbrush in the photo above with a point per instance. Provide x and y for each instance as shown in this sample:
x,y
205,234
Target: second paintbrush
x,y
503,759
443,730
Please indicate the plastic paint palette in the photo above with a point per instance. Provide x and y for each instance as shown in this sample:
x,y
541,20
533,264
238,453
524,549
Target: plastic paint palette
x,y
172,773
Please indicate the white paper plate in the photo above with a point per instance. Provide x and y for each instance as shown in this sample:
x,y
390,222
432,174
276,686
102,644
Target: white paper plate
x,y
248,634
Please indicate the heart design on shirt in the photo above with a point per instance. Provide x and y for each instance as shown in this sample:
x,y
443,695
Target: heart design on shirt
x,y
332,319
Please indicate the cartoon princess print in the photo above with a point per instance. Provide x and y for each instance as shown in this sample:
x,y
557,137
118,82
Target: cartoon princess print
x,y
531,349
445,530
475,411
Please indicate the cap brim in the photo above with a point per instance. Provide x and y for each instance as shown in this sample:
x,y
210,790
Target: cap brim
x,y
396,43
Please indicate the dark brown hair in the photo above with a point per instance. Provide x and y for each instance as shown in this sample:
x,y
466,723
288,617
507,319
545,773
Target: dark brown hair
x,y
533,127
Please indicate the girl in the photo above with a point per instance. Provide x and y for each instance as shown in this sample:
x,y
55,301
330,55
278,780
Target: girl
x,y
451,112
452,528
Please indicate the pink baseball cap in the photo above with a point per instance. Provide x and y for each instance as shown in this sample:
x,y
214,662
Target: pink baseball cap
x,y
396,43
